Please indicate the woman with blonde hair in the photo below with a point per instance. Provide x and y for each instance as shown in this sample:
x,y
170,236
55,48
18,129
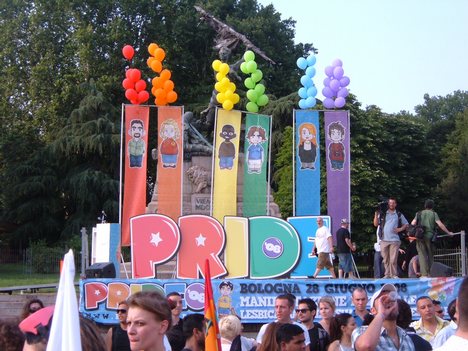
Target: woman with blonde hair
x,y
230,328
327,309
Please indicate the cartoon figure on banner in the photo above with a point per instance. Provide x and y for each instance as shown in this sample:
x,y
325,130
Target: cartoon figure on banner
x,y
256,135
136,145
169,132
227,150
336,149
307,145
224,307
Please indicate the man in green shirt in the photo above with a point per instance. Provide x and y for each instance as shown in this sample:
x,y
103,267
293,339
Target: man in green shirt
x,y
428,218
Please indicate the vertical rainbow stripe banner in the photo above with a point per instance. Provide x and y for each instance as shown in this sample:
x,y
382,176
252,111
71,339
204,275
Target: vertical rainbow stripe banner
x,y
225,163
170,161
307,163
257,142
337,137
136,141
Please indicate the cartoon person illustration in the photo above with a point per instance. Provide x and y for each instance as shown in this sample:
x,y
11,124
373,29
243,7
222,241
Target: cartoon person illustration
x,y
225,300
255,136
136,145
336,149
169,132
307,145
227,150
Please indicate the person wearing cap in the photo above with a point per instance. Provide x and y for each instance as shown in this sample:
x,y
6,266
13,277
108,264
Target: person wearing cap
x,y
429,325
344,246
383,334
323,245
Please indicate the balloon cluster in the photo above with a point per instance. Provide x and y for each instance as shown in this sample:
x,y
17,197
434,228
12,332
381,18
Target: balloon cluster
x,y
308,92
335,83
256,90
163,86
135,87
226,96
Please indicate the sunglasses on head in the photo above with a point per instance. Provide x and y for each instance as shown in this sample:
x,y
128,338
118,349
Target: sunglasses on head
x,y
302,310
122,311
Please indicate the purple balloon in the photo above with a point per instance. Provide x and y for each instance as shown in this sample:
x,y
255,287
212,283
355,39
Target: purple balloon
x,y
328,103
343,92
344,82
339,102
335,85
327,81
337,63
338,72
327,92
329,71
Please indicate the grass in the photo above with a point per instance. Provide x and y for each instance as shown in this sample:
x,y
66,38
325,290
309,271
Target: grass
x,y
13,274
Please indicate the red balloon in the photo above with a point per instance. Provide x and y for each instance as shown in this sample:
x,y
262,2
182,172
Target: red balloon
x,y
131,94
135,75
128,52
128,84
140,85
128,72
143,96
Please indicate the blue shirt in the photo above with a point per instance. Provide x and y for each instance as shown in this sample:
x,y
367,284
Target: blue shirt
x,y
391,222
385,341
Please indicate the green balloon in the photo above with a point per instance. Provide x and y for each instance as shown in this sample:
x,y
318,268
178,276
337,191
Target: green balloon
x,y
249,56
260,89
252,95
243,68
252,107
251,66
262,100
257,76
249,83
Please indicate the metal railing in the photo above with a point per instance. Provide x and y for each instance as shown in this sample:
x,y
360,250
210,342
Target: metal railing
x,y
455,258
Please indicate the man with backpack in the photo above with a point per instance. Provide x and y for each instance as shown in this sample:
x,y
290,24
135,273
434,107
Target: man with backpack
x,y
390,223
428,218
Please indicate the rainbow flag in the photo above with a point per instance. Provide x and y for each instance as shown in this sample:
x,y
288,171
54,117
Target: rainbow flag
x,y
212,337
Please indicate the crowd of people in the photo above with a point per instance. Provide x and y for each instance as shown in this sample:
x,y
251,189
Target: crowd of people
x,y
152,322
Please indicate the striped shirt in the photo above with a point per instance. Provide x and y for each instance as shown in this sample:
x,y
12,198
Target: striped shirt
x,y
385,341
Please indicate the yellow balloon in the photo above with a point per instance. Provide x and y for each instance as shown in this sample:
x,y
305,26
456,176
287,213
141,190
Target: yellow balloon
x,y
216,64
235,98
228,105
220,98
218,86
232,86
224,68
228,94
220,76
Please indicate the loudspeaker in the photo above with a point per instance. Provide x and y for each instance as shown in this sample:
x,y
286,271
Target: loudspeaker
x,y
101,270
441,270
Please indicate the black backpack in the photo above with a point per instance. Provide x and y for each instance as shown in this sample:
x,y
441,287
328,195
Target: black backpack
x,y
417,230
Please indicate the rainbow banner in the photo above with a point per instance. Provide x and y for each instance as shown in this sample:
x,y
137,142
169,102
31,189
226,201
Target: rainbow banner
x,y
257,141
170,161
225,163
307,163
212,336
136,141
338,166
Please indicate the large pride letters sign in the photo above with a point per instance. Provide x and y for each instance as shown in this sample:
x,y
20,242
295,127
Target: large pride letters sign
x,y
262,247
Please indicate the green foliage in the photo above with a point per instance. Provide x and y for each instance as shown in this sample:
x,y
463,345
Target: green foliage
x,y
45,259
283,176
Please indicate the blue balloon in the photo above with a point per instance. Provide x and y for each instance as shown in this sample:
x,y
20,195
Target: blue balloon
x,y
310,102
311,59
312,92
303,93
301,63
306,81
310,71
303,104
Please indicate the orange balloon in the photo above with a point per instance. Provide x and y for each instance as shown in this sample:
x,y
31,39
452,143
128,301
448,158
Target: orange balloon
x,y
171,97
156,66
149,61
165,74
152,47
159,54
158,82
160,93
161,101
168,85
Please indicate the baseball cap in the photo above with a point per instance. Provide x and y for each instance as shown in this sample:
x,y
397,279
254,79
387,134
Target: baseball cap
x,y
378,293
344,221
40,318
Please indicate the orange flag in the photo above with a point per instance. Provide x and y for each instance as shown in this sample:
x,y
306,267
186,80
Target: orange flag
x,y
212,337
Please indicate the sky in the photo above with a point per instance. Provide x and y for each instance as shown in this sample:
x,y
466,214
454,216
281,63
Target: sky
x,y
393,51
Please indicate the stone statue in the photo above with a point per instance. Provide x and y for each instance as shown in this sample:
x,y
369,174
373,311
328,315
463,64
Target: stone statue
x,y
200,178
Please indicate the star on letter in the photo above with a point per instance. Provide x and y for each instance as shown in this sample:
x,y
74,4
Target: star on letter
x,y
155,239
200,240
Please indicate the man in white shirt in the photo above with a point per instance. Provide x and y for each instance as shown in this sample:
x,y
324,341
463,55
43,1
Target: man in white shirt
x,y
459,341
323,245
450,329
284,306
